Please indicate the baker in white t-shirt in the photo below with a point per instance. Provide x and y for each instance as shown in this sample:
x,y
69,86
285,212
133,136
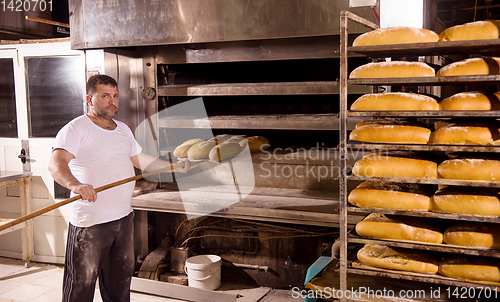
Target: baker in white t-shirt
x,y
91,151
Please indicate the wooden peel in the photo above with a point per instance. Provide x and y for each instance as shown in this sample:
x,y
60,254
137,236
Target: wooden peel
x,y
50,22
32,215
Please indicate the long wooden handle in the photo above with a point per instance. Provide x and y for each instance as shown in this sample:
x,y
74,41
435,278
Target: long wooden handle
x,y
50,22
69,200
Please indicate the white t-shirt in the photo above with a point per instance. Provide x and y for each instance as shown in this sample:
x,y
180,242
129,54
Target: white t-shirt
x,y
101,157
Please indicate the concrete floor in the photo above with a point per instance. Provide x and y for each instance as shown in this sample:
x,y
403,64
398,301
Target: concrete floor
x,y
43,283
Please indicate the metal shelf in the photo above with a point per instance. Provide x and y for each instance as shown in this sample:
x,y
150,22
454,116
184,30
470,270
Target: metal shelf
x,y
234,89
278,205
361,269
418,49
428,81
427,214
426,49
420,114
423,147
274,122
443,248
431,181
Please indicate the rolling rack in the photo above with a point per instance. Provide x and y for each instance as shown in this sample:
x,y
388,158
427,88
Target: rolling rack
x,y
419,49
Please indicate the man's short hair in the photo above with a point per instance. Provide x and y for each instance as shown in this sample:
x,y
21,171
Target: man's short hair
x,y
99,79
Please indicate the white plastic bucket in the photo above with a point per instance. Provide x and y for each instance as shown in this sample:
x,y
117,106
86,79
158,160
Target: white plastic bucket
x,y
204,271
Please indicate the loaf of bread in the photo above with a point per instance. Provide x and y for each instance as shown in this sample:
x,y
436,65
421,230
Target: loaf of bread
x,y
393,69
470,169
482,235
397,196
398,259
224,151
478,30
471,101
235,139
467,200
394,164
395,35
182,150
465,134
255,143
379,226
219,139
394,101
472,66
470,268
201,150
396,134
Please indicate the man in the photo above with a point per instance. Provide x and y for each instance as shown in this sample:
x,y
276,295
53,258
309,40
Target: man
x,y
91,151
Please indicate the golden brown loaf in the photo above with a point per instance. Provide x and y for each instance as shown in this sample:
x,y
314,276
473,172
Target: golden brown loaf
x,y
470,169
380,226
394,101
465,134
393,165
467,200
397,196
473,100
387,133
393,69
398,259
470,268
478,30
482,235
472,66
255,143
395,35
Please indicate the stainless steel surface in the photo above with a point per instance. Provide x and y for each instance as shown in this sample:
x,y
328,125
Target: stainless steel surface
x,y
261,50
10,175
133,23
284,88
281,122
125,67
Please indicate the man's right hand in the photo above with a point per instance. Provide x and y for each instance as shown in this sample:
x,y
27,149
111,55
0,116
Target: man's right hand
x,y
86,191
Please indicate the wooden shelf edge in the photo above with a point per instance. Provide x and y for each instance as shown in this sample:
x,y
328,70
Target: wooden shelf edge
x,y
362,269
428,214
444,248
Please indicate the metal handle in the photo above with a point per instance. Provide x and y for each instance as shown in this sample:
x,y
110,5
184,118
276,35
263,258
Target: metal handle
x,y
23,156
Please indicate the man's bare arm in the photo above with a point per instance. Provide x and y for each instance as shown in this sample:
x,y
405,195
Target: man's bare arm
x,y
59,169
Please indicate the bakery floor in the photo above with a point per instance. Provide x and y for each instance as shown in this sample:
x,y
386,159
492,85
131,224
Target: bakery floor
x,y
43,283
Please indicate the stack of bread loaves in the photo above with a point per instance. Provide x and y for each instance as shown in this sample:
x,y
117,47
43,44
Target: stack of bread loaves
x,y
220,148
450,199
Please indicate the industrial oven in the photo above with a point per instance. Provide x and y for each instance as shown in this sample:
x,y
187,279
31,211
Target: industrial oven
x,y
268,68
